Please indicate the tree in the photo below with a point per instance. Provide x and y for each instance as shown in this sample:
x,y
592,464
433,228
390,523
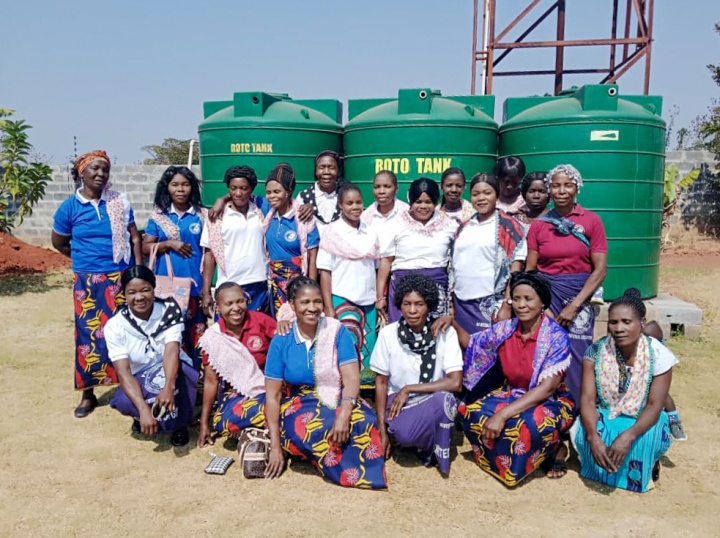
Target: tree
x,y
171,151
22,181
709,124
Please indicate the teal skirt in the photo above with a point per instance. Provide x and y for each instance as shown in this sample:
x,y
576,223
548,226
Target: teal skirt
x,y
361,321
635,473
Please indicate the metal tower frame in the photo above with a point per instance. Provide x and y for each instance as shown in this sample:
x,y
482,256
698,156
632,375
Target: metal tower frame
x,y
638,19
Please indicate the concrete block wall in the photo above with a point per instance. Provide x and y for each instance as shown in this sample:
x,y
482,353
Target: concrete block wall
x,y
137,181
700,205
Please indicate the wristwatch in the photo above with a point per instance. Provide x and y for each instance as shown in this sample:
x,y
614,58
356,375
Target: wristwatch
x,y
353,401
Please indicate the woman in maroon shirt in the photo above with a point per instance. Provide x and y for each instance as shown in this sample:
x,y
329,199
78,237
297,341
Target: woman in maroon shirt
x,y
568,246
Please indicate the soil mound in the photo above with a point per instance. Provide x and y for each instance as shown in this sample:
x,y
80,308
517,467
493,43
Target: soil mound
x,y
19,258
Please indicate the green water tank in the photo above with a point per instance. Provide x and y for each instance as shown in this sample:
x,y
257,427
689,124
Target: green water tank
x,y
262,129
421,133
618,145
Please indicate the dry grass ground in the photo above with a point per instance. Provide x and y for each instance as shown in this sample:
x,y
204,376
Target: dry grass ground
x,y
60,476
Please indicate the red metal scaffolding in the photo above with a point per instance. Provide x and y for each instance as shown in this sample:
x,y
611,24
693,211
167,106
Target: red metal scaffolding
x,y
624,52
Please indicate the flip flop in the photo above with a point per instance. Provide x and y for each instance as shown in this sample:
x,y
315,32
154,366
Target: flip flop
x,y
656,472
558,466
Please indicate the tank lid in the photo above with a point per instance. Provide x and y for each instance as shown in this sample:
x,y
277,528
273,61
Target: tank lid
x,y
422,103
591,101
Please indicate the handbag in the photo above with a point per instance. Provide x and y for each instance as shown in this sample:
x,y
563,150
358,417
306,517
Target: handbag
x,y
170,286
254,452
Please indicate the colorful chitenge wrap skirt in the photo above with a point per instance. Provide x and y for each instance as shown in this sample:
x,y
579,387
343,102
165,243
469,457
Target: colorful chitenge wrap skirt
x,y
426,422
152,381
305,425
361,321
475,315
527,439
236,412
635,473
195,325
438,274
564,290
281,272
96,297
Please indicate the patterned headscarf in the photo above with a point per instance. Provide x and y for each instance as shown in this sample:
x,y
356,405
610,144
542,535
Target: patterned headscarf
x,y
569,170
82,162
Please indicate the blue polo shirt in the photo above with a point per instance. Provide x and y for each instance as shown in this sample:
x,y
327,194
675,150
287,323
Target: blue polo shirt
x,y
262,203
191,226
282,238
288,358
87,224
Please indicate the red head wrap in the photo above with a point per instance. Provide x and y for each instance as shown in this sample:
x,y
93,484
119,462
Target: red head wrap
x,y
85,159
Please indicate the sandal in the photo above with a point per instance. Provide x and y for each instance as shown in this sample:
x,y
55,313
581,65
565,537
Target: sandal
x,y
559,468
656,471
81,411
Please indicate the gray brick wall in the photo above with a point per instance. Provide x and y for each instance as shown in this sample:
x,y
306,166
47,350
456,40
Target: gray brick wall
x,y
137,181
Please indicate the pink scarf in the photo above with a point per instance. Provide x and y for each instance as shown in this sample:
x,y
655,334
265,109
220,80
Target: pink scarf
x,y
333,242
466,211
303,230
118,226
327,371
232,361
437,222
217,246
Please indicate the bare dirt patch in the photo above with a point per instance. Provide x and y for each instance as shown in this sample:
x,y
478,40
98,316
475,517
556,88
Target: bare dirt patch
x,y
19,258
65,477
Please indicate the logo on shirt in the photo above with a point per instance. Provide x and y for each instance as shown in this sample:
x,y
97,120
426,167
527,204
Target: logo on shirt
x,y
580,228
154,378
195,228
254,343
290,236
582,321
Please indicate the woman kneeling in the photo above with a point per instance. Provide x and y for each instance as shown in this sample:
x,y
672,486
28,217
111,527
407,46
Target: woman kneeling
x,y
157,381
416,375
322,420
517,427
626,378
235,348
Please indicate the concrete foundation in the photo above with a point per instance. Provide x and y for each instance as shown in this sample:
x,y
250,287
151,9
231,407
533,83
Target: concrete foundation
x,y
674,316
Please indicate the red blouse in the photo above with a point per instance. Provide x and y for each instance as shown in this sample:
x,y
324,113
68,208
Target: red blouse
x,y
256,334
516,358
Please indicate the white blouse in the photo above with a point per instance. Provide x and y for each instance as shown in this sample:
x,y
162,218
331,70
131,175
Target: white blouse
x,y
402,366
124,342
413,249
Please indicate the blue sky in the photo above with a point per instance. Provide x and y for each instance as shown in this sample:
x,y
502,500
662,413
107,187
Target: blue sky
x,y
123,74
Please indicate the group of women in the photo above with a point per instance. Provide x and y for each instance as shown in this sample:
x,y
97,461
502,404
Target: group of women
x,y
457,313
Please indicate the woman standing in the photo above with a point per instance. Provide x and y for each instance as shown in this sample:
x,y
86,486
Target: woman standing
x,y
349,251
322,196
534,190
515,428
417,375
384,215
235,349
96,228
157,382
175,227
510,171
235,243
291,244
487,249
626,378
452,183
569,247
323,420
421,245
